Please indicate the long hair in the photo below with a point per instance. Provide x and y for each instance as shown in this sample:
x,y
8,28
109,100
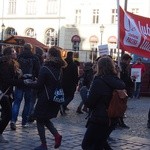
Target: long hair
x,y
54,54
7,56
106,66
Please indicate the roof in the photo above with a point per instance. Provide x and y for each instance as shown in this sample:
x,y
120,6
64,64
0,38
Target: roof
x,y
21,40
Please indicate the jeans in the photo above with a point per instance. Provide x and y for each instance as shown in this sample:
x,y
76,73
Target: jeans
x,y
137,89
149,116
18,97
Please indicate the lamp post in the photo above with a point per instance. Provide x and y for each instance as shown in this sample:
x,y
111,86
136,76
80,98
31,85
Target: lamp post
x,y
101,31
3,29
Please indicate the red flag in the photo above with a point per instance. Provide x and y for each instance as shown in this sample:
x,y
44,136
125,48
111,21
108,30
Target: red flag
x,y
134,33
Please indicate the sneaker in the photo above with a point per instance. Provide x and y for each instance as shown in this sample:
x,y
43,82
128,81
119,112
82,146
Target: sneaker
x,y
124,126
148,125
13,126
58,139
25,125
2,139
41,147
79,111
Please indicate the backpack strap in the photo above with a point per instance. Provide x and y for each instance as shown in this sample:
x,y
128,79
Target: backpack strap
x,y
53,73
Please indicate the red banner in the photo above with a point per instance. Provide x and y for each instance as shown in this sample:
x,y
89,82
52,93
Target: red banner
x,y
134,33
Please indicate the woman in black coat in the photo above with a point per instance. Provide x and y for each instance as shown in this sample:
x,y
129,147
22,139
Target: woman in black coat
x,y
99,126
9,73
44,109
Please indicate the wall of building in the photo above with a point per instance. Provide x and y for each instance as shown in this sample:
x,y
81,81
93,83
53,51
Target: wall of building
x,y
64,20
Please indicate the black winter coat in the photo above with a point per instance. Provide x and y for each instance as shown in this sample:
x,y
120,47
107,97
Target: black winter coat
x,y
44,108
35,63
100,95
8,77
70,77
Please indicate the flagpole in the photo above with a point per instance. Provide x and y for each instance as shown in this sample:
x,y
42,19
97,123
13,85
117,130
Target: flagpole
x,y
125,8
118,39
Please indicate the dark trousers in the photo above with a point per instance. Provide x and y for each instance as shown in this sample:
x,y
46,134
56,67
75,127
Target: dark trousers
x,y
96,136
41,124
149,116
5,113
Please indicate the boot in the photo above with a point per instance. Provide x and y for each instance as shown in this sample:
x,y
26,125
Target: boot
x,y
85,109
58,139
79,111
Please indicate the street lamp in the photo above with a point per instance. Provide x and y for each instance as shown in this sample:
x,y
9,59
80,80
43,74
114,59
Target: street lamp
x,y
2,35
101,31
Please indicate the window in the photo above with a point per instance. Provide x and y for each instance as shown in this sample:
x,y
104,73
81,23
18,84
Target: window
x,y
12,7
30,32
78,16
11,31
31,7
95,16
52,6
135,10
114,18
50,37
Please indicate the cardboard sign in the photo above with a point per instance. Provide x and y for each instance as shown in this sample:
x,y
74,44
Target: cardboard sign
x,y
136,72
103,50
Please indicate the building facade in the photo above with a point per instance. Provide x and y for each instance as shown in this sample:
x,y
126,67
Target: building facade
x,y
79,25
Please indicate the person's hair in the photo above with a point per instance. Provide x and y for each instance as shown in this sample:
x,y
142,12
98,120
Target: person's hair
x,y
28,48
7,51
55,56
126,57
39,51
105,66
69,55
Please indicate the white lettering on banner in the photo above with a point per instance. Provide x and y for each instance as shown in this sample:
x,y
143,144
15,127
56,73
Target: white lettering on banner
x,y
131,40
145,45
132,34
145,30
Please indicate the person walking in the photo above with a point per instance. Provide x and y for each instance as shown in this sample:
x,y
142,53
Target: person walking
x,y
86,79
138,65
44,109
9,74
125,75
30,67
69,81
99,125
39,55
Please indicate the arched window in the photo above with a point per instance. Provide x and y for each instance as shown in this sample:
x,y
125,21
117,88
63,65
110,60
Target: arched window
x,y
50,37
30,32
75,42
10,31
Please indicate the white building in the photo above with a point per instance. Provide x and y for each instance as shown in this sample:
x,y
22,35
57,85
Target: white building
x,y
71,24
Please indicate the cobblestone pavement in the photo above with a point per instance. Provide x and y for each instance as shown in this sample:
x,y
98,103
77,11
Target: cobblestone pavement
x,y
72,128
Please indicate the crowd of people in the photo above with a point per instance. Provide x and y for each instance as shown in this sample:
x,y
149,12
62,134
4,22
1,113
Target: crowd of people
x,y
23,76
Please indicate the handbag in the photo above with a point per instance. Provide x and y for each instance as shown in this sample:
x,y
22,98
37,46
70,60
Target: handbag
x,y
58,96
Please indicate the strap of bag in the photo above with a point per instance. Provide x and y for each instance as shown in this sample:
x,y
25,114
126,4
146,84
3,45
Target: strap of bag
x,y
46,91
54,78
53,74
4,93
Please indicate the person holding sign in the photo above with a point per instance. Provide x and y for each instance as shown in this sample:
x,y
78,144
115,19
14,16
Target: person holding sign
x,y
137,71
